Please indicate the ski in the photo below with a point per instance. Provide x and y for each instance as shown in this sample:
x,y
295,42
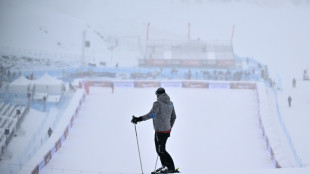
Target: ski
x,y
159,172
177,170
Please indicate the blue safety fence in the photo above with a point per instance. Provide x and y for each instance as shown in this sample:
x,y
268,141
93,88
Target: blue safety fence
x,y
298,160
252,73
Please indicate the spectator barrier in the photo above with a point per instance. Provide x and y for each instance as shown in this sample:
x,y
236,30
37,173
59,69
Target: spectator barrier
x,y
265,136
54,143
171,84
276,136
11,116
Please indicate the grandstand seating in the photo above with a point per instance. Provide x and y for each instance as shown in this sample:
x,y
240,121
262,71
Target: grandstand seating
x,y
9,117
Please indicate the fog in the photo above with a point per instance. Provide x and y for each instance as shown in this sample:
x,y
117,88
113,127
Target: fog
x,y
108,41
273,32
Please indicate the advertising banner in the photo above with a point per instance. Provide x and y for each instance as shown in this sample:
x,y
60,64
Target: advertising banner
x,y
142,62
72,120
171,84
47,157
222,63
226,63
106,84
66,132
35,170
124,84
156,62
219,85
209,63
58,144
192,63
146,84
240,85
41,164
174,62
101,83
193,84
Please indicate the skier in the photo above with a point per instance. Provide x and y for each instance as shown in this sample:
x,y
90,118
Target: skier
x,y
112,87
294,83
289,101
163,115
49,132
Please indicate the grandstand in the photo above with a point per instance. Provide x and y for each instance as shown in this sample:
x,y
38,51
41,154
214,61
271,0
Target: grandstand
x,y
10,117
191,53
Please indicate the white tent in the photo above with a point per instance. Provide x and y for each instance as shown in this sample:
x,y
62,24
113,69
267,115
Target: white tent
x,y
49,84
21,85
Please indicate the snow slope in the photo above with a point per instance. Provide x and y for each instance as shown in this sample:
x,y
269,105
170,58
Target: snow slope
x,y
297,117
206,137
28,28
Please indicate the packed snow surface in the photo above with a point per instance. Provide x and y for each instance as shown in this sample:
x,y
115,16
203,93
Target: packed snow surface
x,y
215,129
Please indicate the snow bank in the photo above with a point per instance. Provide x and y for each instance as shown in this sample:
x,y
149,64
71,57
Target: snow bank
x,y
276,142
60,133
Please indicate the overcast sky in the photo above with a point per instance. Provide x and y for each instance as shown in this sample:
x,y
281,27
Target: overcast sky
x,y
275,32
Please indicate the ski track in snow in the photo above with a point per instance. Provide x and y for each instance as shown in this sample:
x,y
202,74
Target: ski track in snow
x,y
215,130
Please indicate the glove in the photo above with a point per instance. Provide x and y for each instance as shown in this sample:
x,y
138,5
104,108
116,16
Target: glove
x,y
135,120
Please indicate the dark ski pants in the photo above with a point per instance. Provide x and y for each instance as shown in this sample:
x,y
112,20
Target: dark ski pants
x,y
160,144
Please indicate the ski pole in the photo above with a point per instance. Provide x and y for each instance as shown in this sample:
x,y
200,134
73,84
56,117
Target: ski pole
x,y
138,149
156,163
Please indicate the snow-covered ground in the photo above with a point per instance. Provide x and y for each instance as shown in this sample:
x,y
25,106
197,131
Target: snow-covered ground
x,y
205,136
216,130
296,117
